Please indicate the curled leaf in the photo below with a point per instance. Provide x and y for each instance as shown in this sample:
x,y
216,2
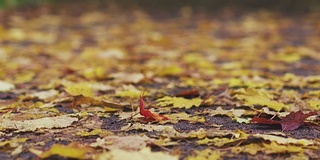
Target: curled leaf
x,y
146,113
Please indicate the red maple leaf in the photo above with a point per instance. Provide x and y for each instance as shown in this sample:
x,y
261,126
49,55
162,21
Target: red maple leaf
x,y
146,113
288,123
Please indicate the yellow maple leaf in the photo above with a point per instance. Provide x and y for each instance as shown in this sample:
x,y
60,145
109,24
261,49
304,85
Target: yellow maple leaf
x,y
179,102
274,147
99,132
13,142
268,148
73,150
170,70
258,97
176,117
219,142
76,89
252,148
94,73
128,93
282,140
242,120
314,104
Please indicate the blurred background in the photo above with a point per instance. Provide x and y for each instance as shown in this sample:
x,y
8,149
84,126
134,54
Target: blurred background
x,y
204,5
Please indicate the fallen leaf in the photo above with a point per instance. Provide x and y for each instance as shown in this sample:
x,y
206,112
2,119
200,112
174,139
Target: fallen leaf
x,y
13,142
146,113
314,104
252,148
290,122
128,91
219,142
113,52
268,148
237,137
17,151
231,113
127,77
45,94
143,154
82,101
77,89
5,86
32,125
274,147
99,132
129,143
170,70
172,133
165,141
147,127
294,120
179,102
258,97
73,150
94,73
242,120
259,120
282,140
176,117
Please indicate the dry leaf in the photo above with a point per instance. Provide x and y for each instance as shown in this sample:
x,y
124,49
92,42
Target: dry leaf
x,y
5,86
179,102
32,125
73,150
130,143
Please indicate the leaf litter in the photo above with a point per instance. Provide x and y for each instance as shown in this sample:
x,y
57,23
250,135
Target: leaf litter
x,y
93,86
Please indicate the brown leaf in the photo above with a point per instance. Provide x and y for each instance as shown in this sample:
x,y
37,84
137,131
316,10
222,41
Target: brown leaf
x,y
290,122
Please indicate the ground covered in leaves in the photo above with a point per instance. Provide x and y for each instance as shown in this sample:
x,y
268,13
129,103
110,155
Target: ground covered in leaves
x,y
92,82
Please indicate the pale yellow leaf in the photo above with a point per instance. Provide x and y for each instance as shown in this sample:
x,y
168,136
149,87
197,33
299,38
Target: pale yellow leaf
x,y
32,125
5,86
282,140
17,151
147,127
242,120
143,154
134,142
45,94
127,77
179,102
129,91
